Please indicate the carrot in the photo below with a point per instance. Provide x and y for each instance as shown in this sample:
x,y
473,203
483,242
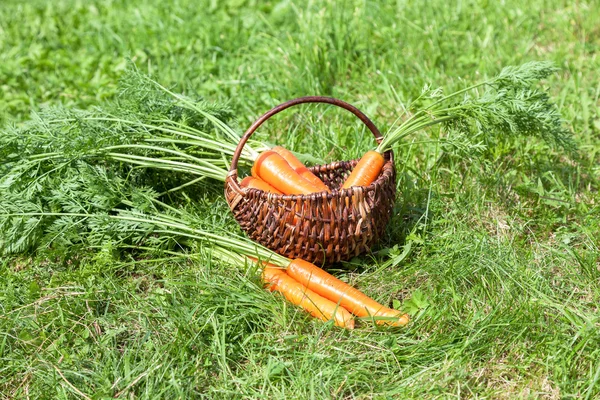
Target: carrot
x,y
257,183
353,300
273,169
270,275
312,178
366,171
288,156
276,279
300,168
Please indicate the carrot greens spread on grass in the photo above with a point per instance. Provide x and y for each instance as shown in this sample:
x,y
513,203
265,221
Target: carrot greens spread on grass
x,y
148,125
62,157
83,180
79,177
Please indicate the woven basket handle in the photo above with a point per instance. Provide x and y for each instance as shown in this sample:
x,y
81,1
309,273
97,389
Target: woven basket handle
x,y
232,175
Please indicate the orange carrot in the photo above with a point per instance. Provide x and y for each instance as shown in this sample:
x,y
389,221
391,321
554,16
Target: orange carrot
x,y
366,171
270,275
288,156
276,279
353,300
273,169
316,305
300,168
257,183
312,178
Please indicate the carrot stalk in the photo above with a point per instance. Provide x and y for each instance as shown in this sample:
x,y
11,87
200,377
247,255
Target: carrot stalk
x,y
333,289
273,169
366,171
300,168
257,183
276,279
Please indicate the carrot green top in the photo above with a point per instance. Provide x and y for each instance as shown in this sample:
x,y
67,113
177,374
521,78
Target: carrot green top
x,y
507,104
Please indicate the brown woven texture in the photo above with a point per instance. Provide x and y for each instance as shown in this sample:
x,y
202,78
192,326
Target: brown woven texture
x,y
323,227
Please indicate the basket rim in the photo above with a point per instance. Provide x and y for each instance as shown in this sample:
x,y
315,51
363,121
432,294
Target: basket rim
x,y
300,100
334,193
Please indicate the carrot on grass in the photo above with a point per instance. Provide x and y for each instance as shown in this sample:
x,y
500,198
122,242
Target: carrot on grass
x,y
366,171
257,183
313,279
270,275
273,169
300,168
276,279
333,289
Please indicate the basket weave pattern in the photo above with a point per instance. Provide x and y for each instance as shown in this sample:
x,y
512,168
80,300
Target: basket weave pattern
x,y
324,227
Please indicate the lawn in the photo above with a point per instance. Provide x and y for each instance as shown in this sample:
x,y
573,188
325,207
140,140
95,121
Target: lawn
x,y
497,251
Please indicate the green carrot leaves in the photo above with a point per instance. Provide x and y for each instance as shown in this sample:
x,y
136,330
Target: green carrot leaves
x,y
508,104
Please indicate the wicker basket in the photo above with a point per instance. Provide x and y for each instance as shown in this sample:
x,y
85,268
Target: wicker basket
x,y
321,227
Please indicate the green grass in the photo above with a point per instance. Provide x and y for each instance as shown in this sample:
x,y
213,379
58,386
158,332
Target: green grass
x,y
503,276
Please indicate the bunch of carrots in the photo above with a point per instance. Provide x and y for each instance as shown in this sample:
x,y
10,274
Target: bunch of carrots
x,y
279,171
325,296
316,291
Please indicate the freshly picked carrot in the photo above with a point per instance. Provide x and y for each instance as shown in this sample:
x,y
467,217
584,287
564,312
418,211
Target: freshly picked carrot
x,y
270,274
275,170
278,280
257,183
300,168
313,279
339,292
366,171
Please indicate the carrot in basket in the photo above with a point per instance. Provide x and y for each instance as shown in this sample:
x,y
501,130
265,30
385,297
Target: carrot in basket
x,y
257,183
366,171
333,289
300,168
319,307
273,169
